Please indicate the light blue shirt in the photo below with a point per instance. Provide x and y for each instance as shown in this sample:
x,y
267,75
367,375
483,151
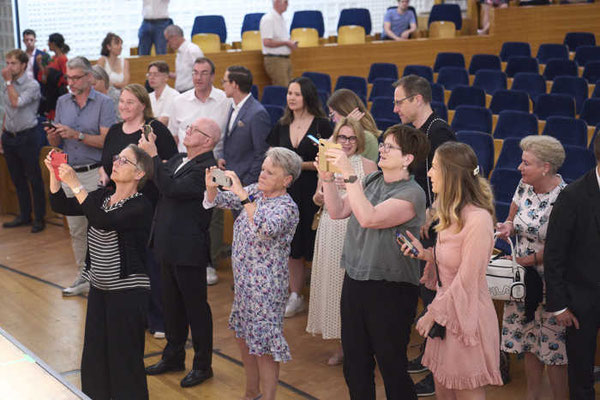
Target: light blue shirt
x,y
399,22
24,115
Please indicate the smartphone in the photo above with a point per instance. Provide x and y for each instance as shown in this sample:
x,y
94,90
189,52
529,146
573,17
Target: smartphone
x,y
56,159
48,124
220,178
146,131
325,145
401,239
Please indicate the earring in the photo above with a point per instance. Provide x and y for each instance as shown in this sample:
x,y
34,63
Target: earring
x,y
543,174
405,167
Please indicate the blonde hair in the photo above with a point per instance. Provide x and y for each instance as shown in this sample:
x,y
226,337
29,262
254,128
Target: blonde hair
x,y
343,101
461,184
546,148
141,94
358,131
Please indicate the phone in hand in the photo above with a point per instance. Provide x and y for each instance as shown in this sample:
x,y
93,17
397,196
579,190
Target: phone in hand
x,y
220,178
401,239
146,131
48,124
56,159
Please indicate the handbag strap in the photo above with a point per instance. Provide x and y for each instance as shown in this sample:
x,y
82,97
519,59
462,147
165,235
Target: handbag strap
x,y
437,271
514,263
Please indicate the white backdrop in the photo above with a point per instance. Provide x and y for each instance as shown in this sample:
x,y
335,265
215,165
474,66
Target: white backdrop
x,y
84,23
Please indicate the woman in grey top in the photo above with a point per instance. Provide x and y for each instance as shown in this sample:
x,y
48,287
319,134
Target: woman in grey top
x,y
380,290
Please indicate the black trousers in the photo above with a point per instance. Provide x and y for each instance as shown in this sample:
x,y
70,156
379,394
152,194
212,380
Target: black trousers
x,y
581,349
156,322
21,153
376,321
185,305
112,365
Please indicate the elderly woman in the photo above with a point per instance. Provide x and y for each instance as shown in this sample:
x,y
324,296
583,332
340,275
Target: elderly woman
x,y
112,364
102,85
345,103
262,235
381,286
116,67
326,275
532,330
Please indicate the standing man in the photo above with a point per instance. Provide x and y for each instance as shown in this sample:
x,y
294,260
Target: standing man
x,y
277,45
19,143
180,238
412,103
29,41
163,96
245,139
83,117
187,52
156,19
572,274
204,100
399,23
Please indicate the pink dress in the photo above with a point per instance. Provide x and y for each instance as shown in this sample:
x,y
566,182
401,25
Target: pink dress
x,y
469,356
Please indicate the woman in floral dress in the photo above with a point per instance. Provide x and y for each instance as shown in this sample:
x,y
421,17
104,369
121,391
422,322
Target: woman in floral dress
x,y
262,234
538,336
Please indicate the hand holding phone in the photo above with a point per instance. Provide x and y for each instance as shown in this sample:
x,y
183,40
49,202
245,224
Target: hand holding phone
x,y
49,125
218,176
403,240
146,130
58,158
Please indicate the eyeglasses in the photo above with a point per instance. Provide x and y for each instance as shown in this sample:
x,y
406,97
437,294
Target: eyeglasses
x,y
122,160
190,127
386,147
74,78
397,103
203,73
345,139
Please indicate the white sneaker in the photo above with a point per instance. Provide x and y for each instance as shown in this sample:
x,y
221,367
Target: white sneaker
x,y
159,335
211,276
295,305
78,287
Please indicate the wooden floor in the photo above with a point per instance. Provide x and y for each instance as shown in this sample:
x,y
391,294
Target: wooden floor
x,y
36,267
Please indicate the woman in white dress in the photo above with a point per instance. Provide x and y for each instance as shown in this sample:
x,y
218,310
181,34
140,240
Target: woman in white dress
x,y
327,276
115,66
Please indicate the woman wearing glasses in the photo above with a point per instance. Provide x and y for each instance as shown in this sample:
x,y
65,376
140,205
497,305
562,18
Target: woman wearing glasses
x,y
112,364
326,274
380,289
135,109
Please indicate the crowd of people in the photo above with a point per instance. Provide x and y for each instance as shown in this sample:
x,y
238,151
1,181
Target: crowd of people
x,y
147,175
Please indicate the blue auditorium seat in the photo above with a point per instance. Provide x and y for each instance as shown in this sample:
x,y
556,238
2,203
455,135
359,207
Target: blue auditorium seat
x,y
251,22
383,108
483,145
518,64
451,77
511,49
484,61
504,183
490,80
275,112
440,109
591,72
356,16
567,130
572,86
532,83
517,124
575,39
446,12
547,51
560,67
509,100
210,24
357,84
578,161
445,59
437,92
585,54
274,95
382,87
510,155
548,105
308,19
590,111
466,95
322,81
382,70
472,118
423,71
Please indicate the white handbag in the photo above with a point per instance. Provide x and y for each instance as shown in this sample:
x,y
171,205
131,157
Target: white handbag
x,y
506,278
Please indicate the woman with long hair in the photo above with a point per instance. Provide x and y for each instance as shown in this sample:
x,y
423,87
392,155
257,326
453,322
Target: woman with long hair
x,y
466,358
116,67
303,116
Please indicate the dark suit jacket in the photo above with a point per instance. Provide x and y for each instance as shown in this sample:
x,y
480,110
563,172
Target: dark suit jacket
x,y
572,250
179,232
245,145
36,68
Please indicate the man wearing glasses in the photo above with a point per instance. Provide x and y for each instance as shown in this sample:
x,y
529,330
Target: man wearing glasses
x,y
181,241
83,117
204,100
187,52
163,96
412,103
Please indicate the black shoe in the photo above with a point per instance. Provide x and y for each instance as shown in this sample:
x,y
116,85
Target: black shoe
x,y
18,221
425,387
415,366
38,226
162,366
196,377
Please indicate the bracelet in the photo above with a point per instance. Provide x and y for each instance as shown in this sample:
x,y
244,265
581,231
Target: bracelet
x,y
509,222
329,180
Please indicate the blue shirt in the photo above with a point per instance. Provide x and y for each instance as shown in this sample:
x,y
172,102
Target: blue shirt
x,y
24,115
398,22
98,112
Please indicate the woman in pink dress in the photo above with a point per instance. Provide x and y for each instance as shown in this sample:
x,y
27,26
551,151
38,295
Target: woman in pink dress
x,y
468,357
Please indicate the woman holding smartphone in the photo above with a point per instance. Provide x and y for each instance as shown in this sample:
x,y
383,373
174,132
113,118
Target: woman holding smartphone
x,y
468,357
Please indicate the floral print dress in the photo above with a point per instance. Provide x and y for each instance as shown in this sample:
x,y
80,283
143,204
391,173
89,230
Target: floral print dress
x,y
259,258
542,336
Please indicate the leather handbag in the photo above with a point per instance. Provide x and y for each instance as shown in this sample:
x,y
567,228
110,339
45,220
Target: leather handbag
x,y
506,278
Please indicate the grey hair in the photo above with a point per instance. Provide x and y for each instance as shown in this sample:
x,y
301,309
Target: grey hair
x,y
173,30
286,159
143,162
546,148
81,63
100,74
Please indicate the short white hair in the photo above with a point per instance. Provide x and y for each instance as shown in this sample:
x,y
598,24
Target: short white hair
x,y
286,159
546,149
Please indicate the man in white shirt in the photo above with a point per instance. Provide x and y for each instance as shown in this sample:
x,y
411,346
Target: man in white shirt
x,y
163,96
156,19
277,45
187,53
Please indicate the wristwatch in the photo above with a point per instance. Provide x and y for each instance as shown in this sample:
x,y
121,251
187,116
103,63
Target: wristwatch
x,y
351,179
81,136
77,189
247,200
8,83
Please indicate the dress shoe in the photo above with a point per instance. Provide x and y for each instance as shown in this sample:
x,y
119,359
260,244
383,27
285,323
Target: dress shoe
x,y
18,221
196,377
162,366
38,226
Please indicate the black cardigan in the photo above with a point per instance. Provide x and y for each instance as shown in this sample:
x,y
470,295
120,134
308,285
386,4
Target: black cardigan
x,y
131,222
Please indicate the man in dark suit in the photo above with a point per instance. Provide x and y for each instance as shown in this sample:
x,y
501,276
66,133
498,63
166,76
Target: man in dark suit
x,y
29,40
572,274
248,125
180,239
